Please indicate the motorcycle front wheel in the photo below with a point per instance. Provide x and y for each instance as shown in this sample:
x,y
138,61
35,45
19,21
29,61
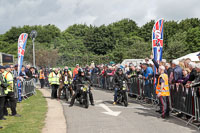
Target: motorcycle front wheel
x,y
125,99
86,101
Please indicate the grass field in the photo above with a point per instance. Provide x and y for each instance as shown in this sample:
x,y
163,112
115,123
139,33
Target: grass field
x,y
33,112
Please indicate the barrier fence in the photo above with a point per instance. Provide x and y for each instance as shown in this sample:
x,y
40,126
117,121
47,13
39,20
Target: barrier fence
x,y
27,89
184,100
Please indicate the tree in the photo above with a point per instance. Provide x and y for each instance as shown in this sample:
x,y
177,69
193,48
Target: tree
x,y
193,39
176,46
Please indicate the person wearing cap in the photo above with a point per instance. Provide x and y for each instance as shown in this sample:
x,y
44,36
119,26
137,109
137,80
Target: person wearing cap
x,y
3,86
162,91
54,82
178,72
10,95
75,70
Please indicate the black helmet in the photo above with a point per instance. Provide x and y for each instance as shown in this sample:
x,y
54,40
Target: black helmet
x,y
65,70
119,69
80,70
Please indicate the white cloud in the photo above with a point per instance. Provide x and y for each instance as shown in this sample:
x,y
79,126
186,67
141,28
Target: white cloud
x,y
63,13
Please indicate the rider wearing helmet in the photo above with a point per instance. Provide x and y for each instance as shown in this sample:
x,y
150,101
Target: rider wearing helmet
x,y
118,79
65,79
80,78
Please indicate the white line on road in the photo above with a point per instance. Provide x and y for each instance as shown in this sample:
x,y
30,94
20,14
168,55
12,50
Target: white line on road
x,y
109,111
116,106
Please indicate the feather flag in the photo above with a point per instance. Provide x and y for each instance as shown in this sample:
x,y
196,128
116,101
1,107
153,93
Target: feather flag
x,y
157,43
21,49
157,40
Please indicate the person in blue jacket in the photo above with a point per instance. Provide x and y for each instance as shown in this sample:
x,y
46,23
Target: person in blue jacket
x,y
147,75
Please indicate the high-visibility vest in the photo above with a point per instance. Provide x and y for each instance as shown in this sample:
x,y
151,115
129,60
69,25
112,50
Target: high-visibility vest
x,y
53,78
164,91
2,80
9,79
42,75
67,81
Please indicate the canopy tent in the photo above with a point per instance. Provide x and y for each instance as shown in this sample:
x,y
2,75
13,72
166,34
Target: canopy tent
x,y
192,56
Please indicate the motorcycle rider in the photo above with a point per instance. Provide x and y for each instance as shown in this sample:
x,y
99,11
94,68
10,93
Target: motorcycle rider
x,y
65,79
118,79
79,79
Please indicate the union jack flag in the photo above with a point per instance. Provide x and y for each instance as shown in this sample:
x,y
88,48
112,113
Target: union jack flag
x,y
157,44
157,40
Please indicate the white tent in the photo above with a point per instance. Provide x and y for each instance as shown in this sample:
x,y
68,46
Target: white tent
x,y
192,56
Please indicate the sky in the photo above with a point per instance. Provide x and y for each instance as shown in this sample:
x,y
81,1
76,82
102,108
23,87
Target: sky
x,y
64,13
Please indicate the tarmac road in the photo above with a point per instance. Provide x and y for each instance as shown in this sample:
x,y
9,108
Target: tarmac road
x,y
107,118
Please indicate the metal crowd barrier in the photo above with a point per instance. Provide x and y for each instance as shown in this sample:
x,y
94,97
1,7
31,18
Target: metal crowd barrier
x,y
95,78
184,100
28,88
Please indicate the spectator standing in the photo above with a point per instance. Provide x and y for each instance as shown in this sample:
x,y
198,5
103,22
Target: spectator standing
x,y
23,73
147,75
178,72
54,82
3,86
169,69
75,70
42,78
186,74
10,96
162,91
193,73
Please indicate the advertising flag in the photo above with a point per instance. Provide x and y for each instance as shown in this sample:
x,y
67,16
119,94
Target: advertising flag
x,y
21,49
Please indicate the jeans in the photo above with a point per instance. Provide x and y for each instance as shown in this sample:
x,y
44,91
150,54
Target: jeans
x,y
147,91
115,95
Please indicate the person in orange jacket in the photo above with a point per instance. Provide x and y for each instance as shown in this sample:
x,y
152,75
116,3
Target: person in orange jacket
x,y
75,70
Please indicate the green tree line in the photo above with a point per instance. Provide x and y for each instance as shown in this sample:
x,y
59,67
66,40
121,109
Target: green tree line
x,y
120,40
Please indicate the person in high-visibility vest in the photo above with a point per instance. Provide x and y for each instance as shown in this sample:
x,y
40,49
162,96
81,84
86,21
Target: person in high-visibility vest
x,y
163,92
3,86
54,82
10,95
42,78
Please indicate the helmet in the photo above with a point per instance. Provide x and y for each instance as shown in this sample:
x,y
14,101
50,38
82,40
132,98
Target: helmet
x,y
119,69
65,70
80,70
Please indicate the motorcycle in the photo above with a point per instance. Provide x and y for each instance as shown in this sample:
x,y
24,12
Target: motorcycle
x,y
83,97
122,95
68,94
